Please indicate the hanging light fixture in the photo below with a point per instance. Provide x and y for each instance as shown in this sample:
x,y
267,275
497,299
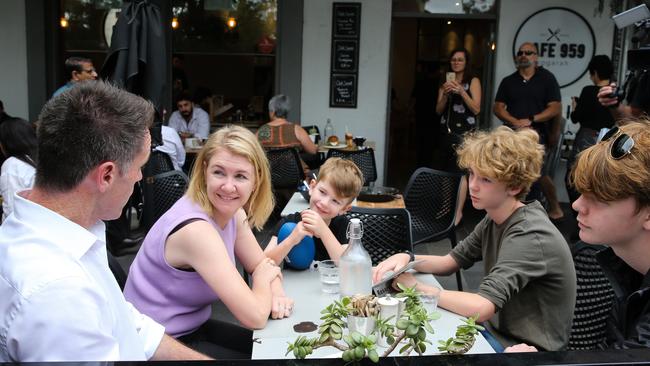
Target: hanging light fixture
x,y
232,22
174,23
64,22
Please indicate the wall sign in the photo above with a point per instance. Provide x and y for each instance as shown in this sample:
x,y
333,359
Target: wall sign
x,y
344,66
564,39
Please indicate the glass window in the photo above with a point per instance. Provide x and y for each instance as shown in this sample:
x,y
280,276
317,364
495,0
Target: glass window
x,y
446,6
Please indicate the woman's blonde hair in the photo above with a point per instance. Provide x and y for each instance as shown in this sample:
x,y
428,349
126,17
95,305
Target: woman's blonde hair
x,y
596,172
511,157
239,141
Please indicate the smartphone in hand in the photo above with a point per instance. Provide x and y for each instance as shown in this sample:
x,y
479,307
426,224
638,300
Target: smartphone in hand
x,y
451,76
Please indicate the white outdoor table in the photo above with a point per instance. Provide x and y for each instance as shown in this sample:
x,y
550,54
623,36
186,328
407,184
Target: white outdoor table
x,y
305,288
297,203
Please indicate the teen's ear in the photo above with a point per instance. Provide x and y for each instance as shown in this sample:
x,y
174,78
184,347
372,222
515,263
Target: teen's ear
x,y
514,191
646,218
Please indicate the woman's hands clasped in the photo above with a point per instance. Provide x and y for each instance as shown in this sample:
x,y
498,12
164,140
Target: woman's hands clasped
x,y
266,271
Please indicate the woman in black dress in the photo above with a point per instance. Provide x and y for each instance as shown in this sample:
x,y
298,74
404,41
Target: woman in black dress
x,y
459,102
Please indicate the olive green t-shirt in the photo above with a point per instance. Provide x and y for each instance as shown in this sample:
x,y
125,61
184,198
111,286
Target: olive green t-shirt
x,y
529,277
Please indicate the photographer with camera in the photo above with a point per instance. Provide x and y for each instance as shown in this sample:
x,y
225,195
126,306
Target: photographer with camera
x,y
637,82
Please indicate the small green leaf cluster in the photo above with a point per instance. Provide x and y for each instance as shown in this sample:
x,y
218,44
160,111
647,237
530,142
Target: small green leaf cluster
x,y
415,324
333,323
412,296
464,338
360,345
386,329
302,347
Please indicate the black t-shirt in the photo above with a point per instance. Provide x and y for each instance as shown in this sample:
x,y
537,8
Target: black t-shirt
x,y
525,98
641,97
338,226
589,112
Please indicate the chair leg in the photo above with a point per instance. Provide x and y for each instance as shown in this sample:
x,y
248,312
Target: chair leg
x,y
459,279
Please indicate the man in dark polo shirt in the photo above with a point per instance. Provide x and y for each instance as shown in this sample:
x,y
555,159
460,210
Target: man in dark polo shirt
x,y
530,97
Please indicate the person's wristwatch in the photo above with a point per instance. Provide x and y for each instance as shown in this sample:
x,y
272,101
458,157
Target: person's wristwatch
x,y
411,255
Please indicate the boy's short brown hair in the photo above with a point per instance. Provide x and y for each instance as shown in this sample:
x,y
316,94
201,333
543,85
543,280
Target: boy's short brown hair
x,y
511,157
596,172
344,176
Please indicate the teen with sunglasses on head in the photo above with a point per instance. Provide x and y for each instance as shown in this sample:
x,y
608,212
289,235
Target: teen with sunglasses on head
x,y
613,178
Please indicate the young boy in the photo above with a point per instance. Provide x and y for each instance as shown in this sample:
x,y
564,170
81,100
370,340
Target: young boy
x,y
339,183
613,178
528,292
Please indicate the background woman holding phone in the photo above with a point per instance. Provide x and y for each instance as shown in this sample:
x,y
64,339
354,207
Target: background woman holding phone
x,y
459,102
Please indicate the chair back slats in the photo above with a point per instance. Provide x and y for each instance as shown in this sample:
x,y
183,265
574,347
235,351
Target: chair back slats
x,y
386,231
594,298
431,197
286,168
364,159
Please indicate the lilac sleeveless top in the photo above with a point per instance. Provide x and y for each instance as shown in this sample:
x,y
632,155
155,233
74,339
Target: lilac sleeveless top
x,y
179,300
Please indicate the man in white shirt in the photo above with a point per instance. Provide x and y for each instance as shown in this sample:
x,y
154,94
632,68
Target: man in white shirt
x,y
172,146
189,119
58,297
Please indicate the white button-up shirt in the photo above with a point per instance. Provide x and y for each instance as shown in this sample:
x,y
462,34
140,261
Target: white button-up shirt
x,y
172,146
199,124
59,300
15,175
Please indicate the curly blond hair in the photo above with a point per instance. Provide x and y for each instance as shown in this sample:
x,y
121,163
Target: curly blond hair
x,y
511,157
239,141
596,172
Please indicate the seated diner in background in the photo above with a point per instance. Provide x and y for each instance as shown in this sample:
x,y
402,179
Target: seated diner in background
x,y
20,149
189,120
59,298
280,133
528,292
330,197
187,260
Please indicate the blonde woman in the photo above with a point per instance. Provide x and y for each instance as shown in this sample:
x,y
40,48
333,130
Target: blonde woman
x,y
187,260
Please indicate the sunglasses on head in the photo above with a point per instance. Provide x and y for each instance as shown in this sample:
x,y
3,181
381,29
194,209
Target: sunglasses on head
x,y
527,53
622,144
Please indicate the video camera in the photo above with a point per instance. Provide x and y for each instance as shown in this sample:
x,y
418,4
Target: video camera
x,y
638,58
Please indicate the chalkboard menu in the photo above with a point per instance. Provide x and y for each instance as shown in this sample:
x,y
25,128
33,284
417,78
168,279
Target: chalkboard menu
x,y
343,90
346,20
344,67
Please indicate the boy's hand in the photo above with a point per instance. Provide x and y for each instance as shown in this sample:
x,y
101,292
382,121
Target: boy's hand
x,y
298,233
314,223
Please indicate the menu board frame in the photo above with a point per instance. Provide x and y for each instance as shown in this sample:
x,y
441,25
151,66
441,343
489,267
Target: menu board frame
x,y
344,53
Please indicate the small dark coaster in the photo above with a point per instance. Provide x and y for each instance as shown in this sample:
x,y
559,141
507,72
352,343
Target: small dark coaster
x,y
304,327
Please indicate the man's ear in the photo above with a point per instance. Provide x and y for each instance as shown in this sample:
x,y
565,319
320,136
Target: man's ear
x,y
106,174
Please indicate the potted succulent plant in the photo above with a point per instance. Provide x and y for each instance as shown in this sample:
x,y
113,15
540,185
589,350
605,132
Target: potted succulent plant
x,y
411,327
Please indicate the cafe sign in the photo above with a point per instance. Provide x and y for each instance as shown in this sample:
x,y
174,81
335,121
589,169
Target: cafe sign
x,y
564,39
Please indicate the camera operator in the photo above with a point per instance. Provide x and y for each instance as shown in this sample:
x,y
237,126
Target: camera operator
x,y
638,102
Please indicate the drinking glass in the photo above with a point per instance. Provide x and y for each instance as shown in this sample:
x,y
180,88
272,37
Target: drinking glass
x,y
329,276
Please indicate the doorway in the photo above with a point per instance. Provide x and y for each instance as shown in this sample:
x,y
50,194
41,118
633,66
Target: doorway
x,y
419,57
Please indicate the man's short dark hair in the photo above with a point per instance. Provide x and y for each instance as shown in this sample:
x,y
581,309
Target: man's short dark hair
x,y
93,122
184,96
602,65
75,64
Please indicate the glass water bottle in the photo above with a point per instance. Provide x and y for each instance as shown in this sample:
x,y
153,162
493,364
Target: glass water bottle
x,y
355,265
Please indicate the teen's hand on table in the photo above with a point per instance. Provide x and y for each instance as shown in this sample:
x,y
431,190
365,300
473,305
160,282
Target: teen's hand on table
x,y
266,271
392,264
314,223
406,279
521,347
281,307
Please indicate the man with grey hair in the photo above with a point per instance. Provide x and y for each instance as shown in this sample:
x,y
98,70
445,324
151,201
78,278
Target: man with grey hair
x,y
60,300
530,98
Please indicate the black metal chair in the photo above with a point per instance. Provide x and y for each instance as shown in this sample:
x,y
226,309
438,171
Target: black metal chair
x,y
166,188
286,175
386,231
594,298
160,162
365,160
431,197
